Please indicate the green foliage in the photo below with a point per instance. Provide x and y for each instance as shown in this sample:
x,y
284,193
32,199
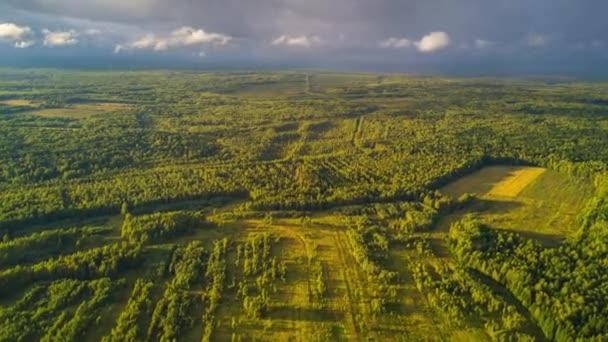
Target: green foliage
x,y
51,320
87,264
46,243
128,325
172,314
159,226
553,283
354,160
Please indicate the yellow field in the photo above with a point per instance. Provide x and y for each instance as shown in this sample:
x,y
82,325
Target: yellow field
x,y
495,181
294,310
81,110
516,182
18,103
534,201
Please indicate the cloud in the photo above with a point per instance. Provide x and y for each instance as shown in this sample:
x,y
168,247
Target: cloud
x,y
596,43
396,43
93,32
60,38
296,41
184,36
537,40
23,44
433,41
355,33
14,32
483,44
146,42
17,34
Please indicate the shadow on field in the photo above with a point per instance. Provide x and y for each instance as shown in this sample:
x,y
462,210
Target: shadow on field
x,y
304,314
494,206
546,240
485,206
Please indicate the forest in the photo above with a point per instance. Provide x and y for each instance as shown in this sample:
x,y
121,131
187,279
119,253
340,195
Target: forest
x,y
301,206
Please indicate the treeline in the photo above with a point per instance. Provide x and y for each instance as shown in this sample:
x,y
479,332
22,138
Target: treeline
x,y
88,264
215,277
107,196
128,326
462,299
261,271
159,226
369,243
386,176
554,284
40,245
172,314
53,319
66,328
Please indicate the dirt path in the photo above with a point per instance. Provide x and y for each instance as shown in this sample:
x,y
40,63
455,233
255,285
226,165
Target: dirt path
x,y
348,265
357,131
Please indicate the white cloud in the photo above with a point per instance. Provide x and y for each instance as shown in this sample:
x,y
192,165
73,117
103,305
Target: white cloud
x,y
184,36
118,48
297,41
483,44
17,34
191,36
14,32
146,42
93,32
60,38
536,40
23,44
396,43
433,41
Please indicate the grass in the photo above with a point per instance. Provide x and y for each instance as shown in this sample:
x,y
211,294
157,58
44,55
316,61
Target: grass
x,y
78,111
516,182
535,202
295,313
494,181
18,103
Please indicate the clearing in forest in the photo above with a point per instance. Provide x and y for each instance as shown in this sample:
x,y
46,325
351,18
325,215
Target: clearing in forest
x,y
535,201
516,182
18,103
81,110
498,181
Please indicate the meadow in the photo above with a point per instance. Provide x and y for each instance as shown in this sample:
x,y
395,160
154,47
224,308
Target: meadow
x,y
301,206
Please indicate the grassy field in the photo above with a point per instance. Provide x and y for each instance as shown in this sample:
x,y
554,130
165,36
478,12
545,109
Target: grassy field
x,y
18,103
81,110
494,181
297,206
534,201
296,312
318,248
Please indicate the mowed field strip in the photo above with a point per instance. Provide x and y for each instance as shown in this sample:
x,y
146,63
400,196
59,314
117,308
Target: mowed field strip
x,y
18,103
516,182
529,200
495,181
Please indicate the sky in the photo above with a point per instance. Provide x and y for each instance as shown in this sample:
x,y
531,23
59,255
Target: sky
x,y
424,36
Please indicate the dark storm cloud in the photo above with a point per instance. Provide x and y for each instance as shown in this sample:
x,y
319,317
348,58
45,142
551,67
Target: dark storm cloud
x,y
392,30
